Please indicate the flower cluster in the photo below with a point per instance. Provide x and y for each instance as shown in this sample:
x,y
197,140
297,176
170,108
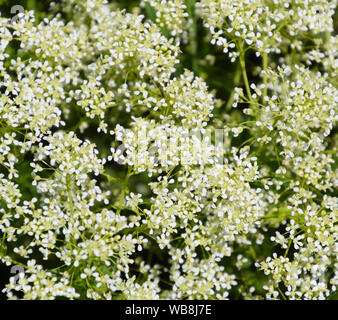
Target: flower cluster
x,y
298,117
171,14
115,182
264,25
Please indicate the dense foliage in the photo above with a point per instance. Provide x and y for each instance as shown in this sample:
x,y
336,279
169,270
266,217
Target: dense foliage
x,y
169,149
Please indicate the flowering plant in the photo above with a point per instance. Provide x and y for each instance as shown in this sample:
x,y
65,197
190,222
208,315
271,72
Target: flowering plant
x,y
169,150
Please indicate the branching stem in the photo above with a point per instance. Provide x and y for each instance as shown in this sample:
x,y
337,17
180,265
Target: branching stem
x,y
244,73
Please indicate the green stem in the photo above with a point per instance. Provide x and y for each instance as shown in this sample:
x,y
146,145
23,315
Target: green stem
x,y
287,250
151,14
327,38
124,190
237,78
253,253
71,205
280,291
111,178
193,32
265,68
244,73
70,196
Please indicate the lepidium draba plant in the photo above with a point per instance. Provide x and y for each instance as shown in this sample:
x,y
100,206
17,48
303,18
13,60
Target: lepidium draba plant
x,y
125,175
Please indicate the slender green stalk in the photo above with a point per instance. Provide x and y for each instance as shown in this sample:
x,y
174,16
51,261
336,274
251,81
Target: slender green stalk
x,y
193,33
244,73
253,252
265,67
71,205
124,190
287,250
151,14
70,196
237,78
280,291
